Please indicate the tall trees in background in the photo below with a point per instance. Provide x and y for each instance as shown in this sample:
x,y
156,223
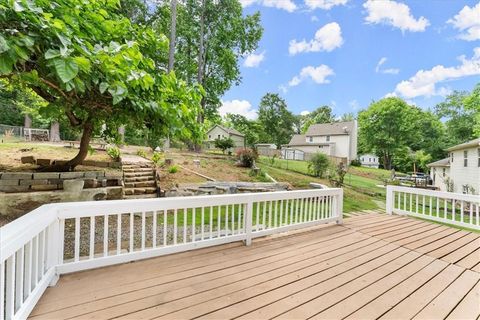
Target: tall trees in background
x,y
58,55
276,120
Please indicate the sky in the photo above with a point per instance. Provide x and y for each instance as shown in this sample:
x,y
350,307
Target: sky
x,y
347,53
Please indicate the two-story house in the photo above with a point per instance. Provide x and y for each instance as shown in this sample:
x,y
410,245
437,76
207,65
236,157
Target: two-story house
x,y
338,139
460,172
220,132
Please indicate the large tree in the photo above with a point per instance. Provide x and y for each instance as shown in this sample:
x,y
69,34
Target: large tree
x,y
89,62
323,114
277,121
211,38
386,127
250,128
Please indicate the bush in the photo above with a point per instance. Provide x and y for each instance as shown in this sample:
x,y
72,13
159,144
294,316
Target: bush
x,y
319,164
157,158
142,153
336,174
246,157
356,163
173,169
224,143
114,152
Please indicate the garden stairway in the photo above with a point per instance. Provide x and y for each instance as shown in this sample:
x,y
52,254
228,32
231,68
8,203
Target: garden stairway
x,y
139,180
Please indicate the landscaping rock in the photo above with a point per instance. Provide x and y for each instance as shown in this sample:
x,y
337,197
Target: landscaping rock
x,y
16,175
73,185
9,182
114,193
32,182
46,187
44,162
28,159
71,175
46,175
90,183
10,189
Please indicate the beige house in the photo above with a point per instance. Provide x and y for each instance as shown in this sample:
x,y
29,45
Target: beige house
x,y
338,139
460,172
219,132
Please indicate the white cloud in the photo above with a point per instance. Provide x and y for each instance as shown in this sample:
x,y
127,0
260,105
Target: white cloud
x,y
253,60
242,107
395,14
283,88
287,5
324,4
468,21
424,82
327,38
314,18
304,113
379,69
318,75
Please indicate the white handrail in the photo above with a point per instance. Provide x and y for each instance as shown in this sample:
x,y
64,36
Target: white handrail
x,y
67,237
447,207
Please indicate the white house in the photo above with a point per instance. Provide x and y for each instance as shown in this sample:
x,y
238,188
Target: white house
x,y
369,160
460,172
338,139
219,132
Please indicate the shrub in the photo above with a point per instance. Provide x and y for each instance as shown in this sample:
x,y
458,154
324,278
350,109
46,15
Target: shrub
x,y
336,174
224,143
113,152
246,157
157,158
173,169
142,153
356,163
319,164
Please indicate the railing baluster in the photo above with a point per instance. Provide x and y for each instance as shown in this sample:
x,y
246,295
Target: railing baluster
x,y
226,219
233,220
219,220
19,276
211,222
292,202
264,223
27,285
282,203
144,218
275,214
77,239
175,226
478,214
461,211
42,255
445,205
203,223
154,229
270,215
257,216
131,233
165,225
416,203
185,221
430,206
119,233
453,210
438,207
241,212
471,212
92,237
301,209
194,212
35,262
10,288
411,202
423,205
105,235
2,290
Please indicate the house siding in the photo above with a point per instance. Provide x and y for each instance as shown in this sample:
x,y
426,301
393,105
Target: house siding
x,y
439,180
218,132
461,175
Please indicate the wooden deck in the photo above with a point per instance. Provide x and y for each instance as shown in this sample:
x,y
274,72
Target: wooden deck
x,y
373,266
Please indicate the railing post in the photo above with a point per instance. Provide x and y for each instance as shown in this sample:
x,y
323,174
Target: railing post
x,y
389,206
53,249
339,207
248,222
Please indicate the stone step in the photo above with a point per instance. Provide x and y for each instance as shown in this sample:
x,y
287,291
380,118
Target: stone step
x,y
137,170
138,179
141,196
138,174
143,184
144,190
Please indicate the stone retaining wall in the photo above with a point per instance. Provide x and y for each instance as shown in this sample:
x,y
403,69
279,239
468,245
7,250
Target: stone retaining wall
x,y
47,181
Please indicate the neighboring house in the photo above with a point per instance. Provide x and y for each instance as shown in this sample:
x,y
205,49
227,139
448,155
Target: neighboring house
x,y
219,132
369,160
337,139
266,146
461,169
267,149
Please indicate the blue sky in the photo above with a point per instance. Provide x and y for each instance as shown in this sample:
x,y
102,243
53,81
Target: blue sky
x,y
346,53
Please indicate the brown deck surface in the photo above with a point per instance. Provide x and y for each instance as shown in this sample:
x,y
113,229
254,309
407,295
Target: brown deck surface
x,y
374,266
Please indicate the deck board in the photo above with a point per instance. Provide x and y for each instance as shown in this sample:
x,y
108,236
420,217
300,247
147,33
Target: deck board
x,y
374,266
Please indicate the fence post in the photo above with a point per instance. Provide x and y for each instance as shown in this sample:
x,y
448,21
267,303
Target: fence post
x,y
53,242
389,206
339,207
248,222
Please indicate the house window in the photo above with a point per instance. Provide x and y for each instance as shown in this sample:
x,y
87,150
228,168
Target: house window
x,y
451,157
478,151
434,174
465,158
328,138
465,188
209,136
443,173
363,159
369,159
218,136
310,139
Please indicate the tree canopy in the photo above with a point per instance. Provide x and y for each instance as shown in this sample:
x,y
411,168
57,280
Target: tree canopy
x,y
92,64
276,120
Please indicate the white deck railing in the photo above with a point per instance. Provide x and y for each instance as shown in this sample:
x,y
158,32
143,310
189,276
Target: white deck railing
x,y
447,207
60,238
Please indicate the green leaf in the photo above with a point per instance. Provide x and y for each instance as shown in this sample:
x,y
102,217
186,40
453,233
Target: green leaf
x,y
52,53
66,69
103,87
83,63
17,6
3,45
6,65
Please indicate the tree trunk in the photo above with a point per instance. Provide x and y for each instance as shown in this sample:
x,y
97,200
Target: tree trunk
x,y
55,131
173,30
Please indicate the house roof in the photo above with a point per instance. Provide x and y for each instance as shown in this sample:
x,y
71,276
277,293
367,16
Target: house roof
x,y
468,144
228,130
300,140
440,163
336,128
